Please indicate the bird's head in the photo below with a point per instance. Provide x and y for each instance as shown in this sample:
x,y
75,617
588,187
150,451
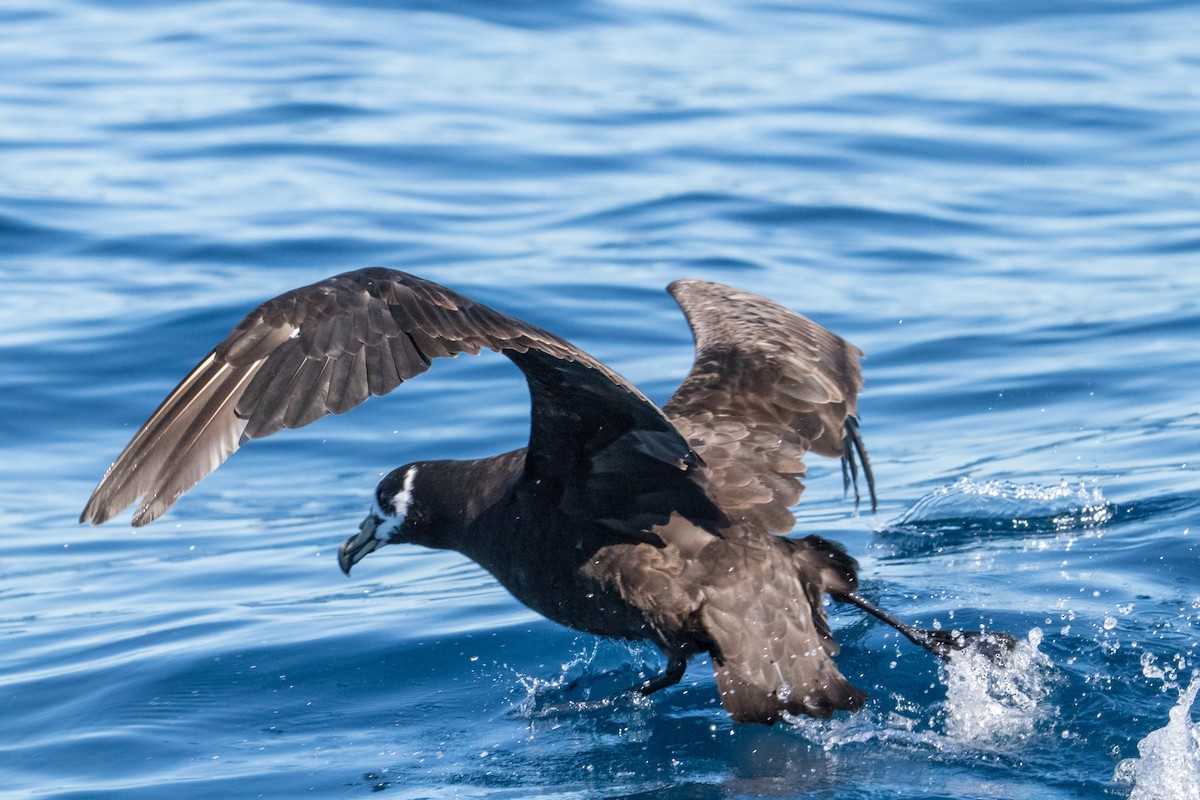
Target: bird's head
x,y
396,516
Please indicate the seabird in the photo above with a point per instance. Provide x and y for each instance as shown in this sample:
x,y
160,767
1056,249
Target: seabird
x,y
620,518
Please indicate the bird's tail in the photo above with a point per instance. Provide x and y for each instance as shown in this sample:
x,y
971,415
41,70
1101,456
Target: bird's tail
x,y
773,650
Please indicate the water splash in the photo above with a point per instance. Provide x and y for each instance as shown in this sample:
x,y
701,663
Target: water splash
x,y
989,707
584,683
1001,505
966,513
993,704
1168,762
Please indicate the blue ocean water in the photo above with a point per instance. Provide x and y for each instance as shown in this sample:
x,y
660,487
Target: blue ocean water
x,y
998,202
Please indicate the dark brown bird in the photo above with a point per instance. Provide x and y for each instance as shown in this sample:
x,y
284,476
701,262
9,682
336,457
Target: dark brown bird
x,y
620,519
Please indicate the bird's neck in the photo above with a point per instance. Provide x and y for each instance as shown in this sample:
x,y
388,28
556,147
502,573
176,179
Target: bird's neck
x,y
460,497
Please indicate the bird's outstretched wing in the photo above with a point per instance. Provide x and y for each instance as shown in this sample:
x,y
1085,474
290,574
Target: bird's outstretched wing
x,y
767,386
325,348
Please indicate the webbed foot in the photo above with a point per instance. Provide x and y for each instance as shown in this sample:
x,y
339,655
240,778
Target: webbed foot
x,y
944,644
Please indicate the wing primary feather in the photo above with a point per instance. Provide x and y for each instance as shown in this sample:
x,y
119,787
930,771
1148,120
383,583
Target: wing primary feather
x,y
355,390
308,393
265,407
327,347
182,472
124,481
854,445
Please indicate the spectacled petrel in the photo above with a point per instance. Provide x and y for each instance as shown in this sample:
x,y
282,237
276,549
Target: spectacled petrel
x,y
620,518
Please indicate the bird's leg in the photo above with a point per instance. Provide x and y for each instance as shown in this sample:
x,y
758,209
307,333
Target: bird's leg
x,y
673,674
996,646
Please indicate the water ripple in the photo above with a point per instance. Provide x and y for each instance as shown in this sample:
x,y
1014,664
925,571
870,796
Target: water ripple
x,y
996,202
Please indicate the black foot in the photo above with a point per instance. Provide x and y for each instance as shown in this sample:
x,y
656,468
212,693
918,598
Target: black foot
x,y
994,646
673,674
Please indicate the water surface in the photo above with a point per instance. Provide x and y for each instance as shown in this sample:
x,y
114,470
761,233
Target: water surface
x,y
998,203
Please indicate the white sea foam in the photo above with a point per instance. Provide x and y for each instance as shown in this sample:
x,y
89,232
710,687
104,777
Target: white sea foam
x,y
1168,762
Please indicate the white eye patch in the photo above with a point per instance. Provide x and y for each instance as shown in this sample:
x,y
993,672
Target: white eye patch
x,y
403,498
401,501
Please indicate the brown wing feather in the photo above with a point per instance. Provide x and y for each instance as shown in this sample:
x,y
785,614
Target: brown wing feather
x,y
773,650
325,348
767,386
